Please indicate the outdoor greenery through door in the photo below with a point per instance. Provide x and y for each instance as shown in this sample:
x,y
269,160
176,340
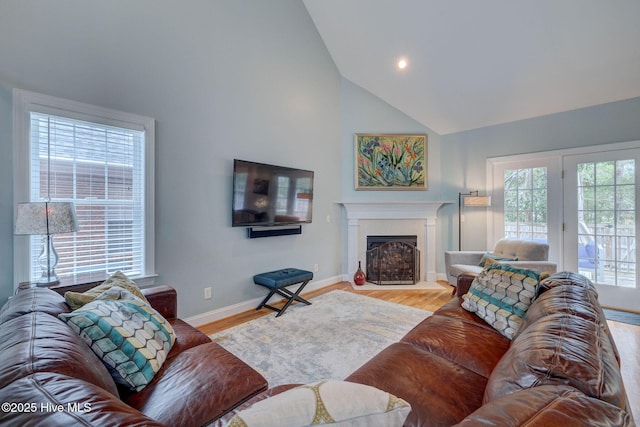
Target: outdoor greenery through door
x,y
605,217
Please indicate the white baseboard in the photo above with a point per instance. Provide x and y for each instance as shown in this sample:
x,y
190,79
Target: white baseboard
x,y
442,276
224,312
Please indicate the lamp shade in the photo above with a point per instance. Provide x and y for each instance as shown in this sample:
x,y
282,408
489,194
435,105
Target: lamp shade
x,y
46,218
477,201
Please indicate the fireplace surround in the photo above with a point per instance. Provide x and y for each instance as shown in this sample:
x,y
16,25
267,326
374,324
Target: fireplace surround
x,y
419,218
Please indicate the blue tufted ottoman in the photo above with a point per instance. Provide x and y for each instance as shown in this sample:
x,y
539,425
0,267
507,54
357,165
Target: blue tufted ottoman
x,y
277,281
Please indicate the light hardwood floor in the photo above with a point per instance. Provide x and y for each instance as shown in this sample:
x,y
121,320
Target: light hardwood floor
x,y
627,337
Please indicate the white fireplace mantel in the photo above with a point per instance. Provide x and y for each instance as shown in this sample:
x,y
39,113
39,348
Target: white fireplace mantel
x,y
427,211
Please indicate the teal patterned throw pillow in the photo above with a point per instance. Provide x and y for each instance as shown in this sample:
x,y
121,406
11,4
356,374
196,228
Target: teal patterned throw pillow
x,y
131,338
501,296
489,259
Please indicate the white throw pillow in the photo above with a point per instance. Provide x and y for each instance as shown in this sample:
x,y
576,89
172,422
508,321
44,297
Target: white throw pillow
x,y
330,403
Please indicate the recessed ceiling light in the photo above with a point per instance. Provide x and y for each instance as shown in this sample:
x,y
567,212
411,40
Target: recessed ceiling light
x,y
402,64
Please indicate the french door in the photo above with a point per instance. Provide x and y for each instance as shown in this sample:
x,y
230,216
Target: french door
x,y
584,203
526,201
601,222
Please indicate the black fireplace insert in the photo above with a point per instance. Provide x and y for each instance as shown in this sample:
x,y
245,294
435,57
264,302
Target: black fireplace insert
x,y
393,260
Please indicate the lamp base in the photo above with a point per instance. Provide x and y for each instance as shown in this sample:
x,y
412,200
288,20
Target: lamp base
x,y
48,260
44,282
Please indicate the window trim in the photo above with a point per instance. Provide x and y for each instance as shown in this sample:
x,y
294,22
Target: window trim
x,y
24,103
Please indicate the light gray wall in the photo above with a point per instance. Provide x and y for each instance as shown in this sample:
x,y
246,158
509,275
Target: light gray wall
x,y
464,154
363,112
224,79
252,80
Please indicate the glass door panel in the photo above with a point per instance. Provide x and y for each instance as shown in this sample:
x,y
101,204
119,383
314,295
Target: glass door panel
x,y
606,218
525,203
527,200
600,217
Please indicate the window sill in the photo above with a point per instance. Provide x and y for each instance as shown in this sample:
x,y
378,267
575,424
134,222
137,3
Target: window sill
x,y
85,281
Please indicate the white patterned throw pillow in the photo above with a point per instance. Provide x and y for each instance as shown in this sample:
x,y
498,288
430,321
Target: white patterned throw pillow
x,y
501,296
128,335
327,403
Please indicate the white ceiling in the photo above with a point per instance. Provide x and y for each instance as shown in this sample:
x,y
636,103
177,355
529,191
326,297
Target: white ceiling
x,y
477,63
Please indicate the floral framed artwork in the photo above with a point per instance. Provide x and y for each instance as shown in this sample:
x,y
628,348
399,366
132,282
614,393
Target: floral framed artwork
x,y
390,161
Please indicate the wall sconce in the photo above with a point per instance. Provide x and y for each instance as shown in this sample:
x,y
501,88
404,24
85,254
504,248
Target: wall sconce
x,y
469,199
46,218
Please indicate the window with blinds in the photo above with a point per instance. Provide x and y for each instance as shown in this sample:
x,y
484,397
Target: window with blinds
x,y
102,170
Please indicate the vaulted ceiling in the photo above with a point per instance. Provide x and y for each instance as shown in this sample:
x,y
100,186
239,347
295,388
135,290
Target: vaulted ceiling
x,y
475,63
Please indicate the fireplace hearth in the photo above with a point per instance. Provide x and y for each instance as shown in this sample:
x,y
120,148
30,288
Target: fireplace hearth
x,y
393,260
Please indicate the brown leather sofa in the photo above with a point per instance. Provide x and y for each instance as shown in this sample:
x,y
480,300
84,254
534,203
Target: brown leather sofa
x,y
561,369
49,376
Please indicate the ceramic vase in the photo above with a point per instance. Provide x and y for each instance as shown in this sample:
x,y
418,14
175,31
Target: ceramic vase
x,y
359,278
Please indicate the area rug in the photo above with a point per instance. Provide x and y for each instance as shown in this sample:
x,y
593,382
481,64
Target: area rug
x,y
622,316
328,339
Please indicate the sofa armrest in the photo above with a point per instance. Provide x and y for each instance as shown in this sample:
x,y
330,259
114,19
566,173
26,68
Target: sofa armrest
x,y
464,283
460,257
164,299
463,257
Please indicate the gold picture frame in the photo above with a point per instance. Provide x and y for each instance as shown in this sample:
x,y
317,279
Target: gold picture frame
x,y
390,161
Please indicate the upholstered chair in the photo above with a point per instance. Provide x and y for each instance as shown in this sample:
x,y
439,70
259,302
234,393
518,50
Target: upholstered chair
x,y
520,253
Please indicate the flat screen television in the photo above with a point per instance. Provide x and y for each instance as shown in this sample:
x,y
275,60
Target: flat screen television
x,y
269,195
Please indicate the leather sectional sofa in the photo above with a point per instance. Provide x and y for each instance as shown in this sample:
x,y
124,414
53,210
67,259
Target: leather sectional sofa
x,y
50,377
561,369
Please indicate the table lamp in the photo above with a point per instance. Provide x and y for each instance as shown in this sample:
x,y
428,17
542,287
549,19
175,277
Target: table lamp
x,y
46,219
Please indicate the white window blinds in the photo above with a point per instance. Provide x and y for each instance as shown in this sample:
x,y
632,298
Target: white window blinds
x,y
101,169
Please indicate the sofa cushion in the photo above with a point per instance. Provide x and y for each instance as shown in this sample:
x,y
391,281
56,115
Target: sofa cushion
x,y
567,292
473,346
454,309
31,300
567,299
564,278
501,295
128,336
560,349
62,401
198,385
38,342
440,392
548,406
77,299
325,403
